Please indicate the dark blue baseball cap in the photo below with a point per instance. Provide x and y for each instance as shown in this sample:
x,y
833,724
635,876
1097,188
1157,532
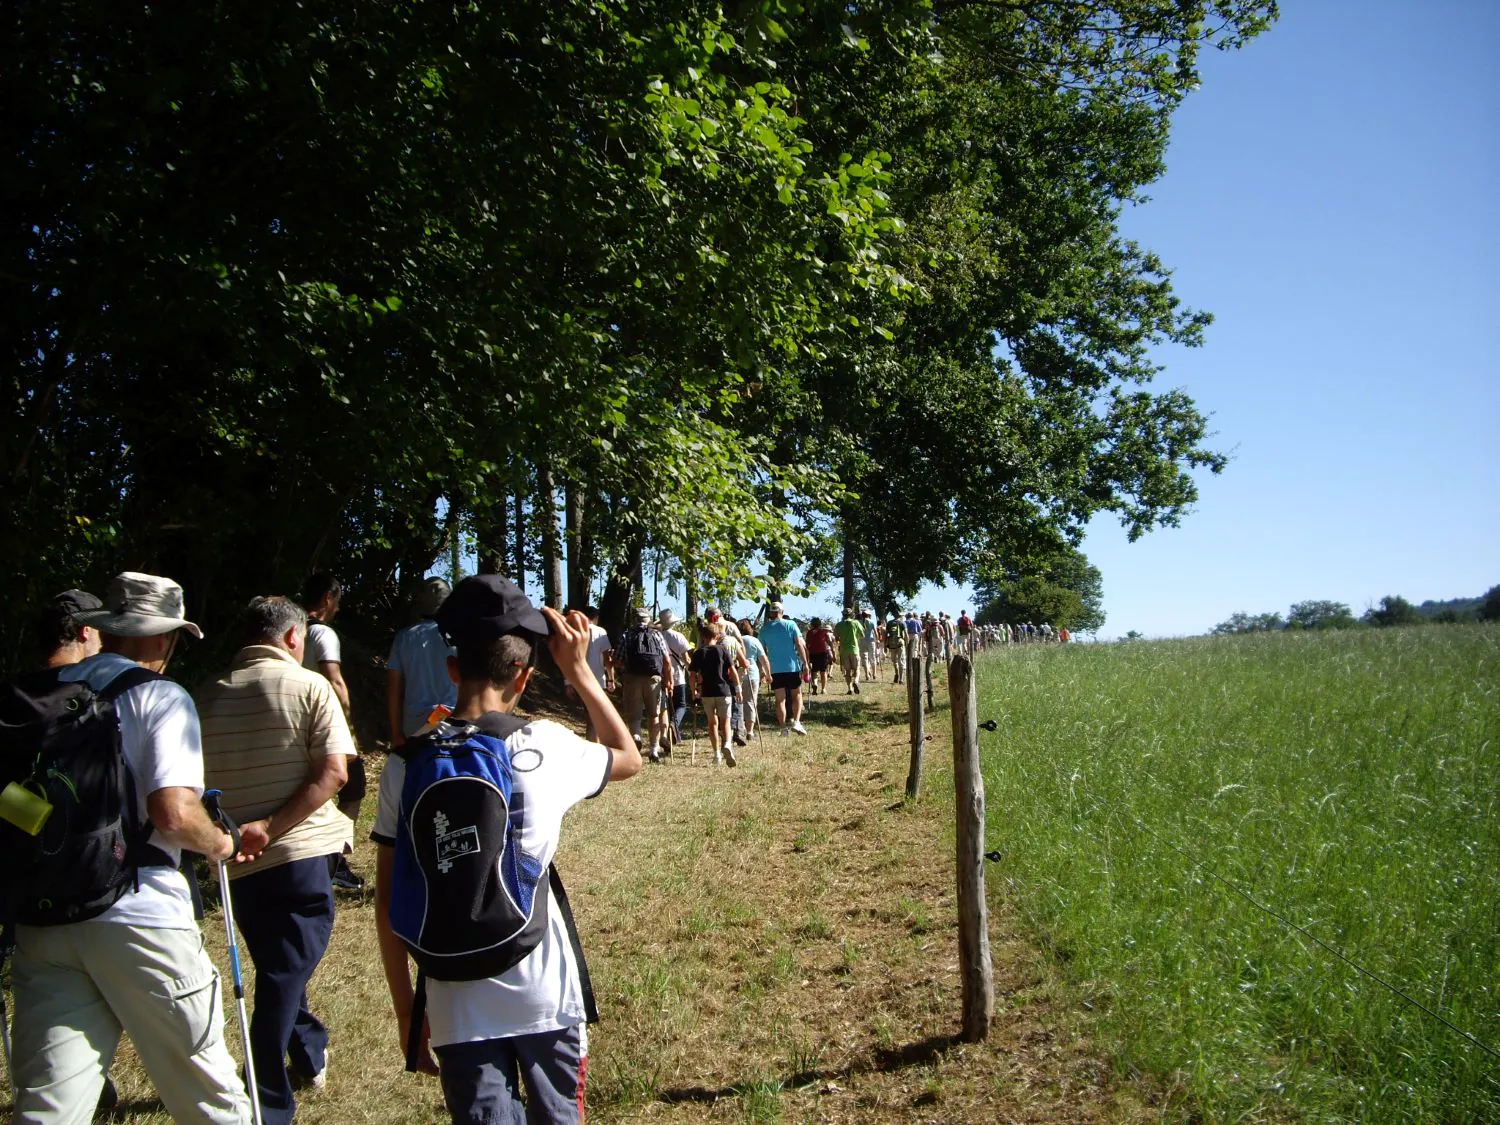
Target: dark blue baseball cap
x,y
487,606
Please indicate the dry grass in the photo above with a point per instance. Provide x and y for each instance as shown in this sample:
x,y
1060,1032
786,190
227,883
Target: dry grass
x,y
769,943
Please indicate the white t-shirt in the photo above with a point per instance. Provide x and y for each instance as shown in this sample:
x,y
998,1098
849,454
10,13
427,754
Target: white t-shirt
x,y
544,992
163,749
677,645
322,647
598,646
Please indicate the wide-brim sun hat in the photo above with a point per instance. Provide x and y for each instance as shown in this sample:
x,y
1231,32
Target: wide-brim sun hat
x,y
666,617
140,605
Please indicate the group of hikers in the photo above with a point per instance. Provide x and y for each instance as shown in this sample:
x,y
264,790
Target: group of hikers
x,y
258,771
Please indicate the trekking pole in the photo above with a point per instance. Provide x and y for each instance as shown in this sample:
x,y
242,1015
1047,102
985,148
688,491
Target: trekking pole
x,y
10,1064
219,816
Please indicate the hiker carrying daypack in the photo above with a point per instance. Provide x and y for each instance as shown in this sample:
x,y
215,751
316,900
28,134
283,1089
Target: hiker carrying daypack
x,y
642,651
466,898
71,832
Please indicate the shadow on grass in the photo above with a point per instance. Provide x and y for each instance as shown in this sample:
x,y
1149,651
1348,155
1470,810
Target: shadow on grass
x,y
882,1060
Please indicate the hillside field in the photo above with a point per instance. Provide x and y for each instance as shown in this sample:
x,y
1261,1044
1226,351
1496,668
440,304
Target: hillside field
x,y
1346,781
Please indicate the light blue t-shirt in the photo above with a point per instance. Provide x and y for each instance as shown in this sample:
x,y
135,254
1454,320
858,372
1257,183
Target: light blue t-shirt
x,y
421,655
754,650
779,635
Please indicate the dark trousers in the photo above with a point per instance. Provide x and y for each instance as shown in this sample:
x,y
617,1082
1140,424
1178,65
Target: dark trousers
x,y
285,915
679,708
482,1080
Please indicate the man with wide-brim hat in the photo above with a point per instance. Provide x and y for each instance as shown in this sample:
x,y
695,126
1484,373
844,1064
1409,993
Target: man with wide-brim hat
x,y
140,966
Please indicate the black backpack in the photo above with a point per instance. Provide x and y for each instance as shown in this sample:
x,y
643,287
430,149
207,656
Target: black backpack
x,y
61,740
644,651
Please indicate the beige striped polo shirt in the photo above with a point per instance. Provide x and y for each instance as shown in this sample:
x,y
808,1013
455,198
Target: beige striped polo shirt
x,y
265,724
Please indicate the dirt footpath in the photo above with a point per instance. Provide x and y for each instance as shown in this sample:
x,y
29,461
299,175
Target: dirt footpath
x,y
778,942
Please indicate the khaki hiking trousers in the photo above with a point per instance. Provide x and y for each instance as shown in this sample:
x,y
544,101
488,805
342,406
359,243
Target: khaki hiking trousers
x,y
78,986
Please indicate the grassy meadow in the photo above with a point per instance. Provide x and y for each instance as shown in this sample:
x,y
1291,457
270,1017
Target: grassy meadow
x,y
1347,781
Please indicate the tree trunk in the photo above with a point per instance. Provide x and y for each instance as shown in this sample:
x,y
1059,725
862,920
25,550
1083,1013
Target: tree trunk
x,y
689,591
519,577
615,604
849,598
579,578
552,576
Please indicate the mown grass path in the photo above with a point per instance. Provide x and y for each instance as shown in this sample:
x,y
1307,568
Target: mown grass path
x,y
774,942
778,942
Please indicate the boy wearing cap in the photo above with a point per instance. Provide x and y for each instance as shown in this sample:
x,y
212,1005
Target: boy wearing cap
x,y
64,639
527,1024
139,967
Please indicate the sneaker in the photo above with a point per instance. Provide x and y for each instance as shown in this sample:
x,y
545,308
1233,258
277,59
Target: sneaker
x,y
345,879
301,1080
718,758
655,755
797,726
739,740
784,731
729,758
856,687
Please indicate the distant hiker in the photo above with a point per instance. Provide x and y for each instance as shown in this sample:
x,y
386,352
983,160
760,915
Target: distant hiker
x,y
642,660
680,651
716,682
505,994
966,633
849,633
417,688
95,958
601,656
787,653
321,595
735,644
868,642
276,743
63,639
820,642
757,668
895,645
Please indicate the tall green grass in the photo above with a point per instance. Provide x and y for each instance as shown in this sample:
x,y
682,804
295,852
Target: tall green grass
x,y
1349,781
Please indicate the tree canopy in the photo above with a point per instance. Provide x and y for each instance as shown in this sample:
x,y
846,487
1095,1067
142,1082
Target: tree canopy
x,y
806,283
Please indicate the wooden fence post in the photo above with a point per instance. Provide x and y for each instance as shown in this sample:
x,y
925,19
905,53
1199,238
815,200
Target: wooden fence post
x,y
973,913
915,722
927,676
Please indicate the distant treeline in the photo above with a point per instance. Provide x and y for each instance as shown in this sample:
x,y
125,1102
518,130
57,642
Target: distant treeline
x,y
1392,610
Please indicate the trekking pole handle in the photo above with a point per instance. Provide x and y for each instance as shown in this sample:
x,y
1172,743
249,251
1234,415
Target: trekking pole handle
x,y
215,809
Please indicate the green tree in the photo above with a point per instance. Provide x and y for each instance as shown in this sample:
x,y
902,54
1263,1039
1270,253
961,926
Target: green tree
x,y
1489,606
1250,623
1393,610
1320,615
1064,589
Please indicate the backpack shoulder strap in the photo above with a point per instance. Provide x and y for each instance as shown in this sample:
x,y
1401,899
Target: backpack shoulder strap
x,y
131,677
560,899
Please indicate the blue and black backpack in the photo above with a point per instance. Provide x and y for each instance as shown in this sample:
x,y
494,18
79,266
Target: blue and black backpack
x,y
465,897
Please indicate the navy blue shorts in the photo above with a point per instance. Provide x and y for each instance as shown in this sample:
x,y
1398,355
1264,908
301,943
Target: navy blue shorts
x,y
482,1080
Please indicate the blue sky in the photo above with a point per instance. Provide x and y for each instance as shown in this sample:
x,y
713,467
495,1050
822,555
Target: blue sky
x,y
1331,197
